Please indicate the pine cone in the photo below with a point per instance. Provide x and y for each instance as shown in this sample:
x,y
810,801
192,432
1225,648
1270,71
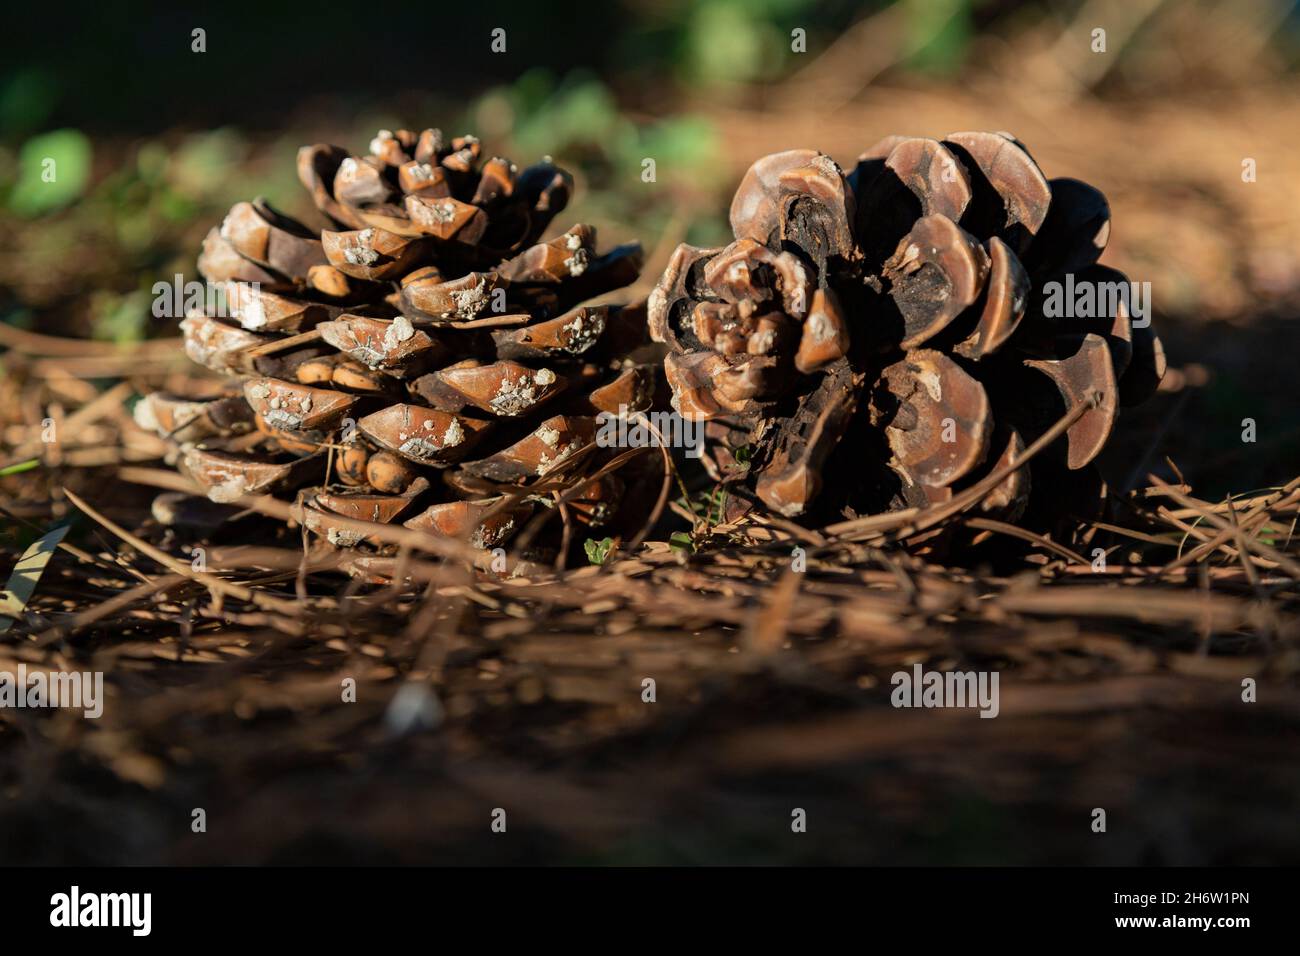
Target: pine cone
x,y
417,357
880,340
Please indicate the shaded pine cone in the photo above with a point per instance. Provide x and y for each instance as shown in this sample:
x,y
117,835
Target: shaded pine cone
x,y
419,356
881,340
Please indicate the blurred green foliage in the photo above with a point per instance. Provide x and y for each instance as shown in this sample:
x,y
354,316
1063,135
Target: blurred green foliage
x,y
141,217
53,170
126,209
713,45
578,119
104,239
740,41
939,33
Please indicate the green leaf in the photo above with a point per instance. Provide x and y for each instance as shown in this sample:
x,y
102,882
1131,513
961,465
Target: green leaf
x,y
681,541
53,170
20,467
598,551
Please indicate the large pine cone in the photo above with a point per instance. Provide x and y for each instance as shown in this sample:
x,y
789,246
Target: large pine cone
x,y
880,340
416,357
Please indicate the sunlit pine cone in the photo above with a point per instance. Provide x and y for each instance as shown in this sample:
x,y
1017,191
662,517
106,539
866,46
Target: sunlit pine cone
x,y
419,355
878,340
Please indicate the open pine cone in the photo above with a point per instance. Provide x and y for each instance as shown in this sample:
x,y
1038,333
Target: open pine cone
x,y
419,356
880,341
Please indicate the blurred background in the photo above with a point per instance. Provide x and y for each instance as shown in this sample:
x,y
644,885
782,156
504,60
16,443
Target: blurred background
x,y
153,141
